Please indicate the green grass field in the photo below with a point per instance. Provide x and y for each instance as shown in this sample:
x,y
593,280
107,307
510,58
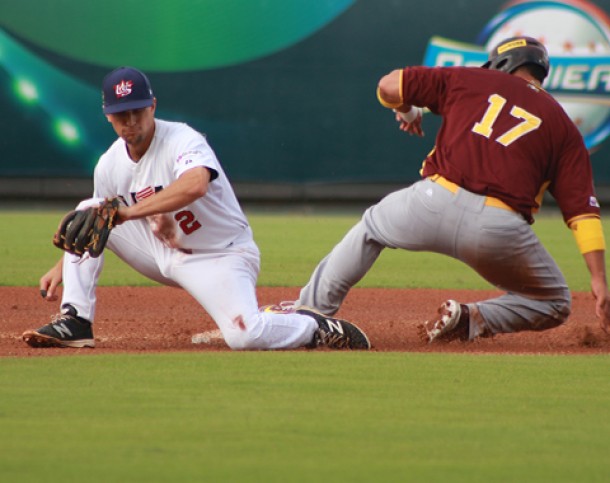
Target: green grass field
x,y
301,416
291,246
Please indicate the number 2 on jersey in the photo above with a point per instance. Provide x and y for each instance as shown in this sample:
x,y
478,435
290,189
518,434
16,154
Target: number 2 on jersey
x,y
496,103
187,222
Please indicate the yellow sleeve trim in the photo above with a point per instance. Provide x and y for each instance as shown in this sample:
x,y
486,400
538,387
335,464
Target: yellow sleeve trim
x,y
392,105
588,233
581,217
400,84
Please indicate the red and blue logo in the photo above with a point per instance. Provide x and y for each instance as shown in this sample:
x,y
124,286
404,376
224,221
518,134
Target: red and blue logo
x,y
123,89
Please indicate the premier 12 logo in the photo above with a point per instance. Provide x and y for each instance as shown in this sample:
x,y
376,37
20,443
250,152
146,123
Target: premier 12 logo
x,y
577,36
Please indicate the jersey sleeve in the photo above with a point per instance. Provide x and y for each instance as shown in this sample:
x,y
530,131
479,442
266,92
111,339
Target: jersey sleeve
x,y
572,186
193,152
425,87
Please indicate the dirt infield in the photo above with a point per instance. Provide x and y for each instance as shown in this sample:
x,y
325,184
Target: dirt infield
x,y
161,319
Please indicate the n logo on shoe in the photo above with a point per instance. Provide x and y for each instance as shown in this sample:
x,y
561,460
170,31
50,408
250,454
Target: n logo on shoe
x,y
62,330
335,326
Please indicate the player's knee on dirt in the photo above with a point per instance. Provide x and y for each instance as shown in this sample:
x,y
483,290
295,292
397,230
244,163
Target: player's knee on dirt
x,y
558,313
244,334
239,342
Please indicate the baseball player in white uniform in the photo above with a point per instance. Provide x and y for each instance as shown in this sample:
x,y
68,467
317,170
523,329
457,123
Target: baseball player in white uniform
x,y
180,225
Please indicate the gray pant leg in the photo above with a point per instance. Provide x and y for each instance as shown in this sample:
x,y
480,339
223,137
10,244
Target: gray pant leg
x,y
383,225
340,270
506,252
515,313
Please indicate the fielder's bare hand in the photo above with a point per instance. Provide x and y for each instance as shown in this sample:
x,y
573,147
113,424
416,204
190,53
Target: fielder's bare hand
x,y
602,303
50,281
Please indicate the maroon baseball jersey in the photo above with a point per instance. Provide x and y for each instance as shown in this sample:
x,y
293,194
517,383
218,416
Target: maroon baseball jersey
x,y
501,136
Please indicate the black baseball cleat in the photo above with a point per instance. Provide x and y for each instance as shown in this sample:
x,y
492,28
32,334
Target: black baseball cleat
x,y
336,333
65,330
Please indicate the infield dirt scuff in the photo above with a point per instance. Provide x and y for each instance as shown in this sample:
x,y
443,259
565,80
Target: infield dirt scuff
x,y
164,319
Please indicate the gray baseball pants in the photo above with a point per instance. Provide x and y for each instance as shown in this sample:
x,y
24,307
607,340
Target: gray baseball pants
x,y
499,244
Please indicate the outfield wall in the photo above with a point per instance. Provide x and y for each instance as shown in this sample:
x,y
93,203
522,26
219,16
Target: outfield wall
x,y
285,91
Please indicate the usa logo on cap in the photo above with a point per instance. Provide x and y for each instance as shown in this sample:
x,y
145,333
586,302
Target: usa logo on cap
x,y
123,88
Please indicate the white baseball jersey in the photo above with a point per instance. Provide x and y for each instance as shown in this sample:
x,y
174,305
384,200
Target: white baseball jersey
x,y
213,221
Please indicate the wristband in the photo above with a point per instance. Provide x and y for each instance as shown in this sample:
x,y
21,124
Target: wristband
x,y
409,116
589,234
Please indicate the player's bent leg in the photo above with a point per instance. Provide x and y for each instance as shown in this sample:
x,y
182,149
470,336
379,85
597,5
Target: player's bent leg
x,y
407,218
331,332
134,245
515,313
315,330
502,315
267,331
227,291
504,250
340,270
72,327
80,277
130,243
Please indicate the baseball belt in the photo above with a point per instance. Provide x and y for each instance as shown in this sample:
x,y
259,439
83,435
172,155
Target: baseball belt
x,y
451,186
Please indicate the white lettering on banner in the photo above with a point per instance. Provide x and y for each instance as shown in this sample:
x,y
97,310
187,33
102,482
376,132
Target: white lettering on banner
x,y
579,77
600,75
573,79
554,77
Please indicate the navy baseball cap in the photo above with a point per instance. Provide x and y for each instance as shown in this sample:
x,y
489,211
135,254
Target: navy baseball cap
x,y
124,89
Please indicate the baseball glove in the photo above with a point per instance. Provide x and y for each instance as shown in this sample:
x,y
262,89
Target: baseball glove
x,y
87,231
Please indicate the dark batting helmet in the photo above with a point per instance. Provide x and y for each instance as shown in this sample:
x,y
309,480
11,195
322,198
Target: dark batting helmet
x,y
512,53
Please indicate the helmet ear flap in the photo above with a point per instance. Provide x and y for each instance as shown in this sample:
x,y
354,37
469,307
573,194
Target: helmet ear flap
x,y
502,64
